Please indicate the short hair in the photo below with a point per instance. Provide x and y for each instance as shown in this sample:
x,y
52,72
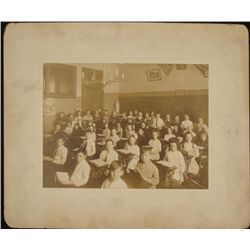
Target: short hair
x,y
188,133
109,140
115,165
61,138
82,151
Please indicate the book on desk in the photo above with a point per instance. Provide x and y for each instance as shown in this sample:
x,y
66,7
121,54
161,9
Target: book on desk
x,y
98,163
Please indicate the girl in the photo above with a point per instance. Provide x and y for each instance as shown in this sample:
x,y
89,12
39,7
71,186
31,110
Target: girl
x,y
130,132
106,131
190,152
114,137
156,147
119,130
169,134
135,153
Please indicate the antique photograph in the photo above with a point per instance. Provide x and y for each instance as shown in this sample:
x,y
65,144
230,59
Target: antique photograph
x,y
125,126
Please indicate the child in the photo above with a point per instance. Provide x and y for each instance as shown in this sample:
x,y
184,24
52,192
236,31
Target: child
x,y
168,121
169,134
106,131
130,132
175,160
114,137
135,151
109,154
88,117
191,151
69,128
142,140
92,132
119,130
158,123
90,145
186,123
201,126
80,175
156,147
148,172
114,180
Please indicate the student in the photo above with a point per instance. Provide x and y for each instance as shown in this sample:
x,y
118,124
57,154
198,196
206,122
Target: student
x,y
88,117
109,154
130,132
148,172
202,144
78,117
177,121
69,128
113,119
138,120
175,159
190,130
201,126
90,145
135,151
147,119
114,137
142,139
106,131
130,115
191,152
80,175
71,119
168,122
114,180
92,132
77,131
58,132
119,130
169,134
123,120
62,120
60,154
158,123
186,122
156,147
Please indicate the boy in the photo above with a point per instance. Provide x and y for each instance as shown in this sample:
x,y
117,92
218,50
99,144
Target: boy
x,y
158,123
186,123
109,154
80,175
135,151
148,172
156,147
175,159
114,180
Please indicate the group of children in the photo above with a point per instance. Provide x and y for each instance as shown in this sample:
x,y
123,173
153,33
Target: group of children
x,y
162,153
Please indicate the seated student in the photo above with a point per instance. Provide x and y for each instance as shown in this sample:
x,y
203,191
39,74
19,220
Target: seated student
x,y
113,119
88,117
158,123
201,126
119,130
190,152
109,154
123,120
98,119
130,132
70,118
69,128
168,122
148,172
58,132
147,119
114,180
80,175
106,115
60,154
156,147
130,115
92,132
175,159
177,121
78,117
178,132
84,126
142,139
135,151
138,120
90,145
190,130
186,122
114,137
61,120
169,134
106,131
202,144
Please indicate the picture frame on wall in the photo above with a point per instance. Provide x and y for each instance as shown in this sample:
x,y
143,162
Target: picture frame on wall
x,y
154,75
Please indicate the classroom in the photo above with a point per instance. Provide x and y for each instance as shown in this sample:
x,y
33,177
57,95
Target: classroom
x,y
125,126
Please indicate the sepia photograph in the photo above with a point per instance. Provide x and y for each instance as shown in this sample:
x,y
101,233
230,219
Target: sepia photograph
x,y
125,125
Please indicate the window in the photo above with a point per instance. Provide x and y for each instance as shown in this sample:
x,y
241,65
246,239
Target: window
x,y
59,80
